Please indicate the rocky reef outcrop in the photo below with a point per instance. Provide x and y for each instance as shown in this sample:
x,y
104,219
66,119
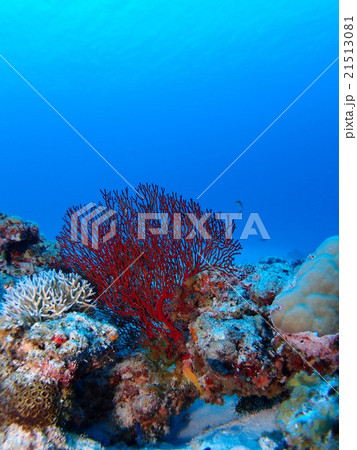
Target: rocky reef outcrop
x,y
146,397
265,280
232,349
309,418
23,249
40,366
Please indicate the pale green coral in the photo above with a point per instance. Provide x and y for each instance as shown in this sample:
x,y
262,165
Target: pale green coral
x,y
47,295
310,416
312,303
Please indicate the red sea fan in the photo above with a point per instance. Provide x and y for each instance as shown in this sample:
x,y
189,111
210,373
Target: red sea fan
x,y
143,277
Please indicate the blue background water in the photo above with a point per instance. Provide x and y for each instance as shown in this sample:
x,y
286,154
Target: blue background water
x,y
171,92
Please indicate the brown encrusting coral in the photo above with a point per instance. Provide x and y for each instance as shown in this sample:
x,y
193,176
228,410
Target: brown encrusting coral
x,y
30,400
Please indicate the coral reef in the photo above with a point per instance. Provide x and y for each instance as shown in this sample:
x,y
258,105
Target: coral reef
x,y
155,268
45,296
265,280
40,365
64,372
311,304
310,416
146,398
231,349
234,348
23,250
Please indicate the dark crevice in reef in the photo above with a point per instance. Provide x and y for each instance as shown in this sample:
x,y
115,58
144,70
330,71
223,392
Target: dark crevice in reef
x,y
222,367
92,408
12,249
255,403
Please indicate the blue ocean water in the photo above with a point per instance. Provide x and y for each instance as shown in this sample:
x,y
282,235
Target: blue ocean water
x,y
172,93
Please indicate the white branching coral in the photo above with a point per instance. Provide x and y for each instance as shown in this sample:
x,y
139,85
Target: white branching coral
x,y
47,295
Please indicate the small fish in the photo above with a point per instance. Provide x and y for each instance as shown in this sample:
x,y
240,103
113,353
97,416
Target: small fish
x,y
239,206
190,376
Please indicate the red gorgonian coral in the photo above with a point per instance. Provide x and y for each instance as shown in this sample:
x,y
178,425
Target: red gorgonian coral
x,y
141,276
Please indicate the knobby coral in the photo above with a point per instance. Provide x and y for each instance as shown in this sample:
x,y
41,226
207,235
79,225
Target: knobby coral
x,y
29,399
312,303
46,295
144,277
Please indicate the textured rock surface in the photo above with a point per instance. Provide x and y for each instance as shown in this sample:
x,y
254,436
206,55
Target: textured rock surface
x,y
310,416
23,250
16,437
50,357
49,438
322,352
146,398
265,280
